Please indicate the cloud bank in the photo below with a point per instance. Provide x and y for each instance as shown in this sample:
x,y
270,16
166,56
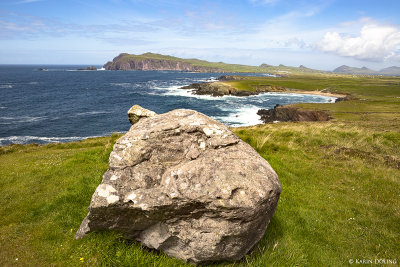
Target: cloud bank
x,y
374,43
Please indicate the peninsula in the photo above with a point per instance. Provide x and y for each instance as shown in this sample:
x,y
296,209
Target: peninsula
x,y
152,61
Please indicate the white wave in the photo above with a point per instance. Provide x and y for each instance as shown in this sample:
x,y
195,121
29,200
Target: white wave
x,y
125,85
3,107
22,119
42,139
283,94
92,113
243,116
6,86
176,91
328,99
82,70
332,99
33,83
270,75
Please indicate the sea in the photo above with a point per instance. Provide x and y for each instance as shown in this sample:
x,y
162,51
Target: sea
x,y
47,104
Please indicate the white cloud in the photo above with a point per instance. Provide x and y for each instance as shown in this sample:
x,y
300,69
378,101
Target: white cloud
x,y
374,43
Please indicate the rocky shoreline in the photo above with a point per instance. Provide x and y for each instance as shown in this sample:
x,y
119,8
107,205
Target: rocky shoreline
x,y
289,113
216,89
278,113
220,88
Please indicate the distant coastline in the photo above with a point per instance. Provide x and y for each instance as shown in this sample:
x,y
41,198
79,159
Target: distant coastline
x,y
152,61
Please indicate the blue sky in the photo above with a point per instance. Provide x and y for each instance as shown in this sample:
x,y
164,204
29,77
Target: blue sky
x,y
321,34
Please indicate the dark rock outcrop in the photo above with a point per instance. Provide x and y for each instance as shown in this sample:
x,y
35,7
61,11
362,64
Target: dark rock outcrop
x,y
183,183
132,62
89,68
217,89
221,89
287,113
264,65
231,78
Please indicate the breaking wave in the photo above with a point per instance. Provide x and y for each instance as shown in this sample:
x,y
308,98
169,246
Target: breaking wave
x,y
39,139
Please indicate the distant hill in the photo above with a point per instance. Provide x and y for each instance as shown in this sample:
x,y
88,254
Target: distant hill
x,y
264,65
353,70
364,70
391,70
152,61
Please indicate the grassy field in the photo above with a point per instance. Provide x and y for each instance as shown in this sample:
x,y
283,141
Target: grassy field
x,y
340,188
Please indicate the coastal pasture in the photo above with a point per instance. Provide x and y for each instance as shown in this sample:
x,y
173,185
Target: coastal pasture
x,y
340,182
340,199
367,87
340,193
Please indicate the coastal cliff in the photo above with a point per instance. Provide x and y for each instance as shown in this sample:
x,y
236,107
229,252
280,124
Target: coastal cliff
x,y
153,61
150,61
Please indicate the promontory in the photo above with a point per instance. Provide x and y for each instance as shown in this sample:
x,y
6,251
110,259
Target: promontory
x,y
151,61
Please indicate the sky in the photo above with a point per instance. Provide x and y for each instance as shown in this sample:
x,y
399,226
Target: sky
x,y
320,34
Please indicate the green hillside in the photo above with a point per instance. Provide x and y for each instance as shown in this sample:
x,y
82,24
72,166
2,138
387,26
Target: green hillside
x,y
221,66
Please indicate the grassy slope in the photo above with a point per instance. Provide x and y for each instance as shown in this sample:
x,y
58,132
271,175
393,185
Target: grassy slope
x,y
340,188
220,65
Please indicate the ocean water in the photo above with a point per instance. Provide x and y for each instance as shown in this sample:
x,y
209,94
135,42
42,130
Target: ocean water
x,y
62,104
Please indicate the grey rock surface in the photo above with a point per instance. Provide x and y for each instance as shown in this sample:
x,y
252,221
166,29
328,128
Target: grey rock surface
x,y
183,183
136,112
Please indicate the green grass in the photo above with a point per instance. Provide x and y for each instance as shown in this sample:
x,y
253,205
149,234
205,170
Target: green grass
x,y
340,188
45,192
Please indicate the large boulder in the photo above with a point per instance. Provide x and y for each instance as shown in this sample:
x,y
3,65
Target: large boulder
x,y
183,183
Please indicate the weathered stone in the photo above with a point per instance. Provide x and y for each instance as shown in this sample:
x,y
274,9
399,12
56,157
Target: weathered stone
x,y
183,183
136,112
288,113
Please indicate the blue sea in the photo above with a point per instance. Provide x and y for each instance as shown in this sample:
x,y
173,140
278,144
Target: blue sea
x,y
62,104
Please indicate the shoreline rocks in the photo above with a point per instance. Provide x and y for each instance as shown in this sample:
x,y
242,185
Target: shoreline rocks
x,y
288,113
183,183
216,89
220,88
89,68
